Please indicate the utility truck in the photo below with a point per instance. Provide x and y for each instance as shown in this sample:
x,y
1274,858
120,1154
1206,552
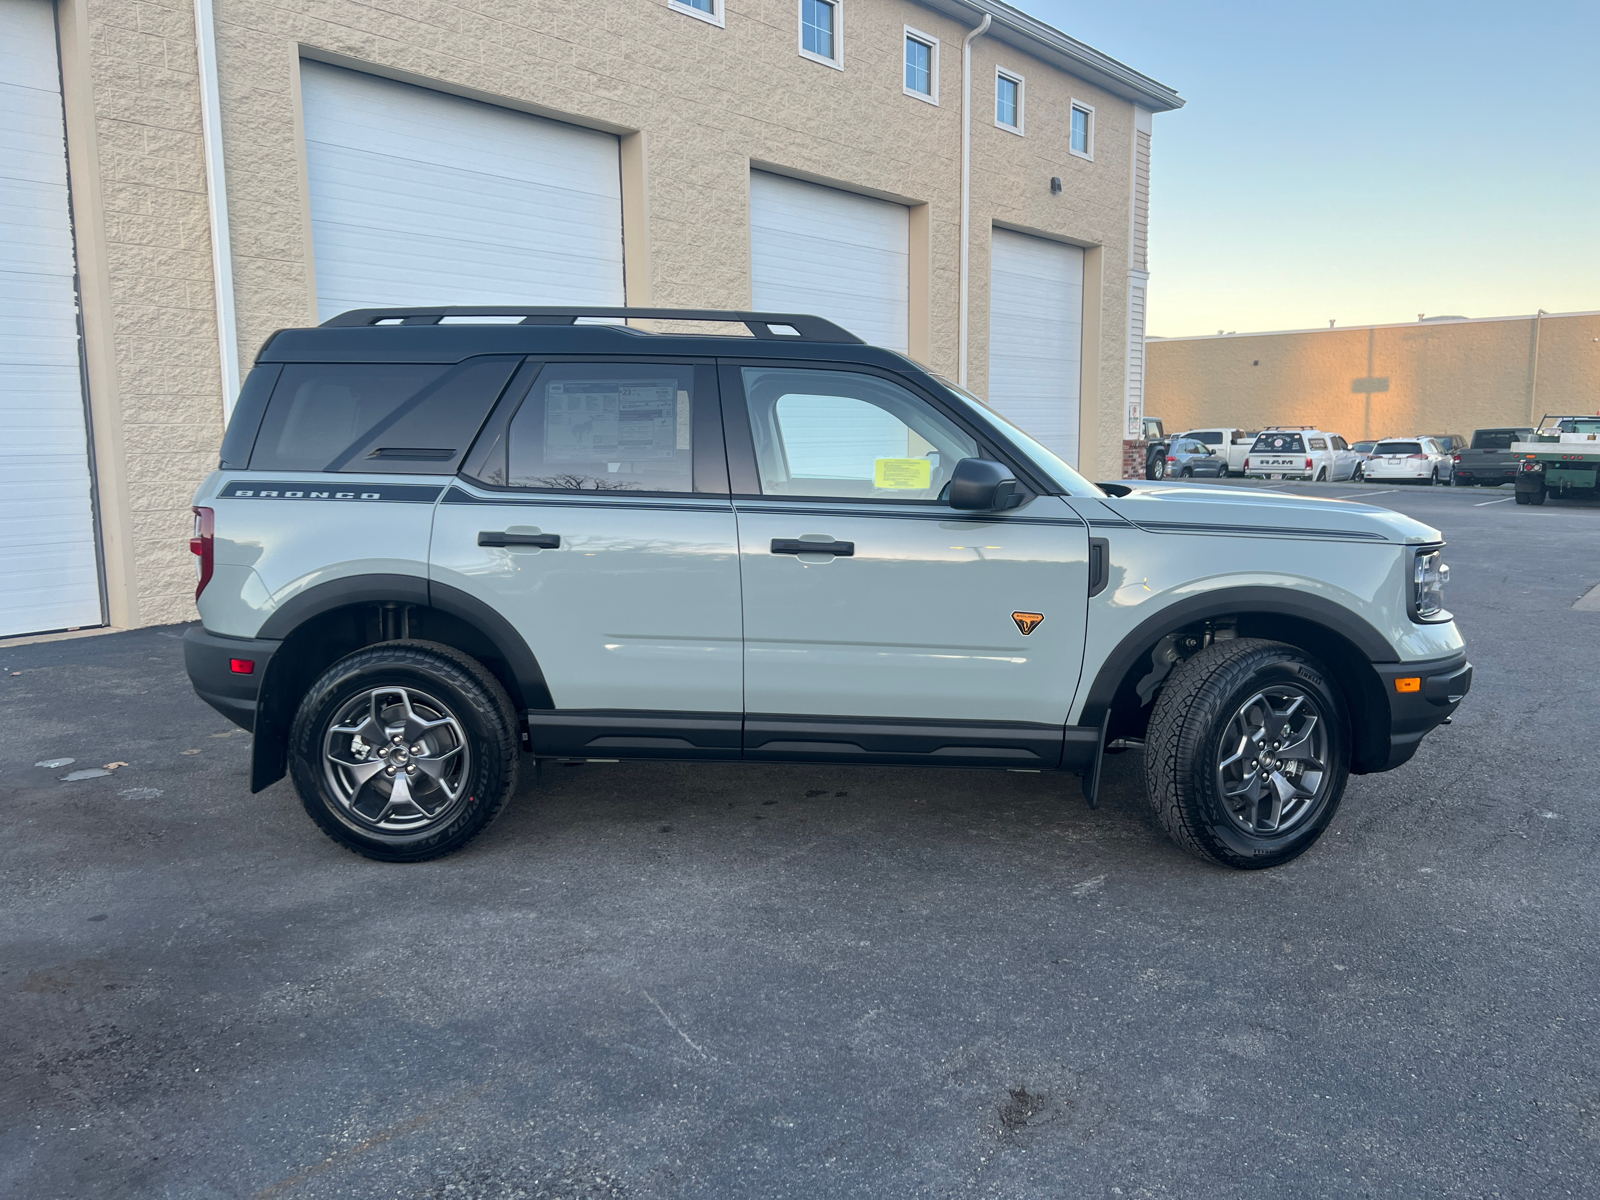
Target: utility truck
x,y
1560,458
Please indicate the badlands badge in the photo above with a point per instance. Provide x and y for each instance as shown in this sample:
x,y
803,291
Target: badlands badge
x,y
1027,622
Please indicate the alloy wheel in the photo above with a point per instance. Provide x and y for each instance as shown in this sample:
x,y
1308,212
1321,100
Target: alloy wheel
x,y
1272,763
397,760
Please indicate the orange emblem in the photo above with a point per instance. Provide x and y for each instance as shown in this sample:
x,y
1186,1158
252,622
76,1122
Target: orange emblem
x,y
1027,622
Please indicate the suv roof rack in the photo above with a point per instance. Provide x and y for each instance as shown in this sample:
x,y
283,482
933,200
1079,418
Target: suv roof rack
x,y
773,326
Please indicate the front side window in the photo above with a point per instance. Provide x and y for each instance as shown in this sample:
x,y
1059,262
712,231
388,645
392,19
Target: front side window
x,y
1008,101
819,29
919,67
1083,130
601,427
843,434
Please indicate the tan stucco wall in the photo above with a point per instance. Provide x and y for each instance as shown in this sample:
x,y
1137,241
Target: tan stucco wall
x,y
1444,377
696,106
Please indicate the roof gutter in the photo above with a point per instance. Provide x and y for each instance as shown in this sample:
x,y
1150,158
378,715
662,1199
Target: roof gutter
x,y
1045,42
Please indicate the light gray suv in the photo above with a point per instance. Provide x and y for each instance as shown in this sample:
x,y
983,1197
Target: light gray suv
x,y
436,545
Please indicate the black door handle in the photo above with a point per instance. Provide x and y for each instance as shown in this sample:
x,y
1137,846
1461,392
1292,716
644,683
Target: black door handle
x,y
539,541
798,546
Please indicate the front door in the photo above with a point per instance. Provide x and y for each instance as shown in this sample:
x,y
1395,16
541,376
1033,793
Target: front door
x,y
596,520
881,624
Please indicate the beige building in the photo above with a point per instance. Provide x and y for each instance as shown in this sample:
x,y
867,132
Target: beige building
x,y
1437,375
233,167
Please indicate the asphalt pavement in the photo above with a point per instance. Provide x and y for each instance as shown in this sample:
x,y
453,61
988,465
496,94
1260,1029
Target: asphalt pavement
x,y
752,981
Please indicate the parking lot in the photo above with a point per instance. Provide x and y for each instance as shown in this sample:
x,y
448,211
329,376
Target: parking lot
x,y
752,981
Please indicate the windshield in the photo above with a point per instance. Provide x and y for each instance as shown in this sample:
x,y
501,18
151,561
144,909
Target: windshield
x,y
1494,439
1363,447
1399,448
1279,443
1045,459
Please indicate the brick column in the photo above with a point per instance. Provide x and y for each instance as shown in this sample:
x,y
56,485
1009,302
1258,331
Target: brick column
x,y
1133,458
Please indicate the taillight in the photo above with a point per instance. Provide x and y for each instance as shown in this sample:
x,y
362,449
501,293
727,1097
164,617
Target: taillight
x,y
1455,458
1170,458
1422,456
1247,464
203,545
1308,464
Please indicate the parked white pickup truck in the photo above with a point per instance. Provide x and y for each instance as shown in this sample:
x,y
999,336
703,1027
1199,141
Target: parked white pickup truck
x,y
1232,444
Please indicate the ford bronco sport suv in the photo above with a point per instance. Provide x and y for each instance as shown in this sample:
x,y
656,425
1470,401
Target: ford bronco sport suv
x,y
442,540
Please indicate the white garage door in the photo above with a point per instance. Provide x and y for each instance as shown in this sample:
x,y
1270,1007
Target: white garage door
x,y
49,572
419,198
832,254
1036,336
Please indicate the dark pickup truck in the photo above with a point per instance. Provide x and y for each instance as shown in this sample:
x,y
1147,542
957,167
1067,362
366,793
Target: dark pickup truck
x,y
1488,462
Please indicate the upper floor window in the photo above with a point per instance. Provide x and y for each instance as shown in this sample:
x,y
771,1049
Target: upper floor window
x,y
706,10
1008,100
1083,130
922,66
819,31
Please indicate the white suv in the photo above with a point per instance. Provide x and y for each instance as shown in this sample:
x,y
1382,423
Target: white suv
x,y
1301,452
1410,460
433,548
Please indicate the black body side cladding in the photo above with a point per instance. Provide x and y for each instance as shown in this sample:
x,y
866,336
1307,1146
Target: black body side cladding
x,y
208,658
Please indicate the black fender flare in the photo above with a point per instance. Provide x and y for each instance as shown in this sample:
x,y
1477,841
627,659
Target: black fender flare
x,y
1223,602
271,730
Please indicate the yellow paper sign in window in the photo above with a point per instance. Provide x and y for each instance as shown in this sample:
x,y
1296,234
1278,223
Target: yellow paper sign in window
x,y
902,474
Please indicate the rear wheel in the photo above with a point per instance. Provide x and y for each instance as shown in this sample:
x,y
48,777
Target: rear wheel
x,y
1186,473
1322,475
1157,468
404,751
1433,479
1536,497
1247,753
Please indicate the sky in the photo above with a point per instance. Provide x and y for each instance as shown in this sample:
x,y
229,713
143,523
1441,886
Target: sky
x,y
1363,162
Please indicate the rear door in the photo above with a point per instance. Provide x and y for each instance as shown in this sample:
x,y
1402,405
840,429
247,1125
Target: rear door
x,y
594,516
912,631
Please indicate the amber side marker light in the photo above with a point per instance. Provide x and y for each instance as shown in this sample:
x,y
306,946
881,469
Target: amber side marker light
x,y
1411,684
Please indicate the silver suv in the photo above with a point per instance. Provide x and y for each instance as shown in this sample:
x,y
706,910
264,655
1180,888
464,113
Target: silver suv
x,y
437,544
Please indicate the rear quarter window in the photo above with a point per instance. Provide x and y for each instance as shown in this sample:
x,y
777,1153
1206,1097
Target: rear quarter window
x,y
393,418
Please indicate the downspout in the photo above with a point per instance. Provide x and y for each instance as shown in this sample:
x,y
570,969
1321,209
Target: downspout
x,y
1533,397
205,36
966,190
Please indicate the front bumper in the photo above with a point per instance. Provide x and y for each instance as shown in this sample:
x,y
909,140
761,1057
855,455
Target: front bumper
x,y
209,658
1414,715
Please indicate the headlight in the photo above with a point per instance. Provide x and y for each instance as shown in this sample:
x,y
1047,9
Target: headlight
x,y
1428,577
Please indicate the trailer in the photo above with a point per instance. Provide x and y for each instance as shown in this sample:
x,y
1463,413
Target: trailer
x,y
1561,458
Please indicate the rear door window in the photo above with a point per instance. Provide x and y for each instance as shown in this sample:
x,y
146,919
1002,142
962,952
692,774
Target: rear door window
x,y
1279,443
611,427
394,418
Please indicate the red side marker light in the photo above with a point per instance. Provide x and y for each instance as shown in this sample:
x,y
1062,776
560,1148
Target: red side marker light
x,y
242,666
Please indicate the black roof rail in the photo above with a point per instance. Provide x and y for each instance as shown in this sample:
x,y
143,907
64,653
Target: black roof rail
x,y
761,324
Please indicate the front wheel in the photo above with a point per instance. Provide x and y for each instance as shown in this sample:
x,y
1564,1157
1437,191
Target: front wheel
x,y
404,751
1247,754
1359,475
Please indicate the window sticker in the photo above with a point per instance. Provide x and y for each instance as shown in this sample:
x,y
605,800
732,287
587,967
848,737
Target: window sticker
x,y
633,420
902,474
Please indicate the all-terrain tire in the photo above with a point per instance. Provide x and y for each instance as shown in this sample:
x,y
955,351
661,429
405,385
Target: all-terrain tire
x,y
1194,714
405,686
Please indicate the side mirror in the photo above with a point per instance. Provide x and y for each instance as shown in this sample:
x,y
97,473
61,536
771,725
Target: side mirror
x,y
983,485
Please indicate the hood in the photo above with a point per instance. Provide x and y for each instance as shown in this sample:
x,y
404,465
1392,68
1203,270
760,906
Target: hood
x,y
1185,508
